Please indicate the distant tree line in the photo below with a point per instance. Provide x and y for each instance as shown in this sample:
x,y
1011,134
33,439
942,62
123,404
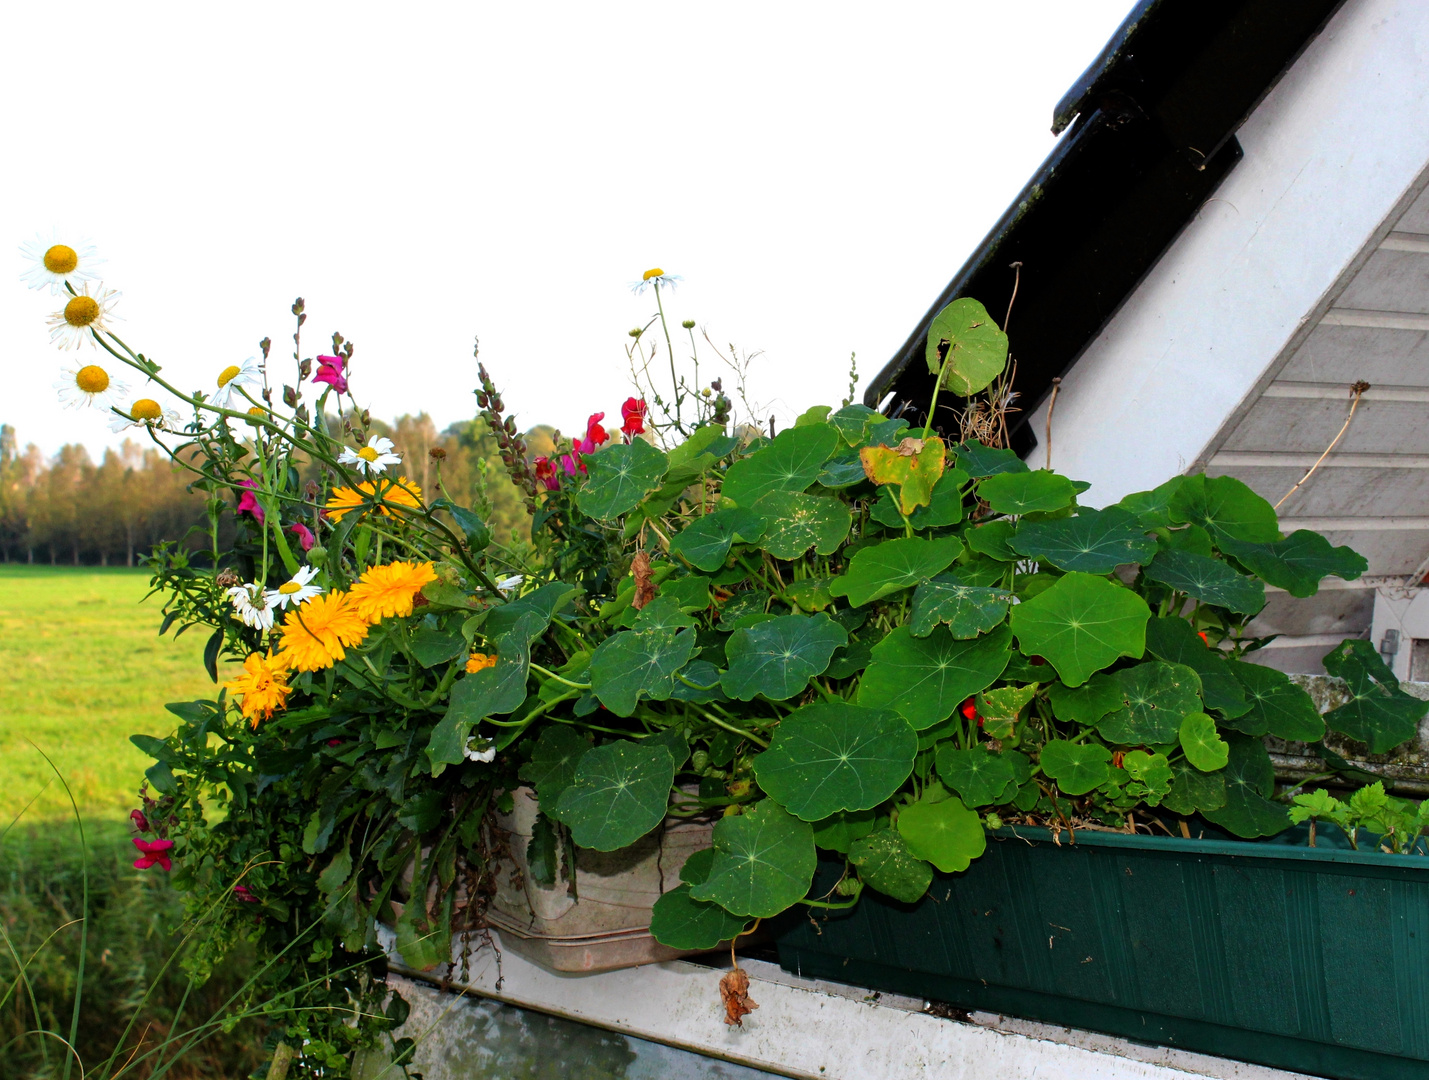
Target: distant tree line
x,y
71,509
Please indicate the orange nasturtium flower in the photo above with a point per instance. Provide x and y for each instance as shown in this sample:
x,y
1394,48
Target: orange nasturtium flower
x,y
399,492
316,634
263,686
477,661
385,591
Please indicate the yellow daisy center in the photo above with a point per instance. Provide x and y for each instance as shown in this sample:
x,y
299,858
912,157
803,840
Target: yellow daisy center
x,y
81,311
227,375
367,454
257,410
61,260
657,272
288,588
92,379
144,408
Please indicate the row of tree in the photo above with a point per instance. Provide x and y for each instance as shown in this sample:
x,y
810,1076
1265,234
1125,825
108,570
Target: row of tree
x,y
71,509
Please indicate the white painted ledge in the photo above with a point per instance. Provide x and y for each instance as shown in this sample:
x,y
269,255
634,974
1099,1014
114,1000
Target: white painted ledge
x,y
826,1031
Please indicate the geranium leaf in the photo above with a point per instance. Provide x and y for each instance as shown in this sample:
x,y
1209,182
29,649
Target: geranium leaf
x,y
553,762
1205,749
620,476
1276,705
1193,791
1380,714
945,505
881,569
1207,580
979,460
914,466
837,832
1094,542
833,755
620,792
1224,507
1077,767
777,658
1081,625
1172,639
1027,493
925,679
797,522
706,541
884,863
946,834
979,778
633,664
966,350
1249,777
1156,698
790,463
1298,563
969,610
682,922
764,862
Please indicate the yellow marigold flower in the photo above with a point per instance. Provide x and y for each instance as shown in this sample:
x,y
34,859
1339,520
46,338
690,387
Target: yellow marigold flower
x,y
399,492
315,634
263,685
477,661
388,590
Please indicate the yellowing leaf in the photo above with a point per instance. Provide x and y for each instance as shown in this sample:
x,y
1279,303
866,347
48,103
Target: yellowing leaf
x,y
914,465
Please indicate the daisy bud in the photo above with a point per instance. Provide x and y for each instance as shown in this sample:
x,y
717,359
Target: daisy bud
x,y
688,324
636,333
317,554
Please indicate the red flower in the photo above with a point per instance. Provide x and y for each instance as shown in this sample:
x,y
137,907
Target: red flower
x,y
1202,635
595,435
330,372
248,502
633,413
546,473
140,821
969,710
305,535
151,852
334,742
243,894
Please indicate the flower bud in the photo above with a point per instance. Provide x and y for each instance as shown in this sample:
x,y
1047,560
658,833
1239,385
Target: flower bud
x,y
317,554
636,333
700,760
688,324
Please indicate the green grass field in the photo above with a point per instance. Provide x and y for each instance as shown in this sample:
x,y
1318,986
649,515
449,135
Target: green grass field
x,y
81,669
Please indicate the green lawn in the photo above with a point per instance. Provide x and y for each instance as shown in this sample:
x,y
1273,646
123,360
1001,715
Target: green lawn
x,y
81,669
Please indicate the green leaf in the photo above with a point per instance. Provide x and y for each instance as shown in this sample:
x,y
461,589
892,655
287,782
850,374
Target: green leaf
x,y
1380,714
978,460
993,540
1207,580
944,508
885,863
553,762
837,832
1000,708
880,569
966,350
633,664
432,647
682,922
696,869
797,522
842,470
691,593
810,594
545,601
620,476
336,873
1225,508
422,946
947,833
1088,703
744,609
1081,625
1276,705
790,463
706,541
1093,542
662,613
1205,749
695,452
925,679
978,777
777,658
1027,492
1249,779
543,852
422,811
1173,639
1152,508
1077,767
852,421
969,610
620,792
764,861
1299,562
832,756
1157,697
1193,791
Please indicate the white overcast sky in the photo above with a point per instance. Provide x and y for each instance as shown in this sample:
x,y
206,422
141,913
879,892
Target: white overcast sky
x,y
424,173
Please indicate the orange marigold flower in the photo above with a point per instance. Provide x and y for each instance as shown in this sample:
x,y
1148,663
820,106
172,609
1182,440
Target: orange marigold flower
x,y
477,661
316,634
388,590
399,492
263,685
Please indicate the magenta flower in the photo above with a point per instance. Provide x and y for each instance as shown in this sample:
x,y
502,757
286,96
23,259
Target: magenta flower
x,y
152,852
572,462
633,413
140,821
546,473
248,502
243,894
305,535
330,372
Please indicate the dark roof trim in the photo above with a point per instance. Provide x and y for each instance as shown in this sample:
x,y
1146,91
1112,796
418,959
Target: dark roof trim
x,y
1152,134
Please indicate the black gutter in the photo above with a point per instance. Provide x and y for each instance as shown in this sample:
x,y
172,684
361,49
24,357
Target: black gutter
x,y
1153,124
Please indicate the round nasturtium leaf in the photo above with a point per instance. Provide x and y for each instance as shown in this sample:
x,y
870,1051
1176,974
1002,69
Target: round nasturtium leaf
x,y
1225,508
682,922
553,762
978,460
764,861
1277,706
880,569
925,679
797,522
1035,492
620,476
1193,790
945,505
1093,542
638,663
1207,580
1172,638
777,658
946,834
1152,508
1088,703
838,831
884,863
992,540
969,610
978,777
1205,749
790,463
833,755
706,541
1077,767
620,792
1081,625
1156,697
1299,562
965,347
1250,777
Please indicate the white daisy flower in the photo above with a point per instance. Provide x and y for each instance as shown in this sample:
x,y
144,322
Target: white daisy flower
x,y
656,277
146,412
372,458
83,313
232,377
250,606
295,591
57,265
505,585
88,385
486,754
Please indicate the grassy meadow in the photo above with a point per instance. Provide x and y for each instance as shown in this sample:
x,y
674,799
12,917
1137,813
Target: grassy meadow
x,y
81,669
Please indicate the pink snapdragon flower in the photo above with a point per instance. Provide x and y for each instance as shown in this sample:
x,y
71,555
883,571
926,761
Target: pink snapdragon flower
x,y
546,474
306,539
330,372
241,892
153,852
248,502
633,413
140,821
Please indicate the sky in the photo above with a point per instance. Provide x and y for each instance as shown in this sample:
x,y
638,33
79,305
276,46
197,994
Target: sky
x,y
426,174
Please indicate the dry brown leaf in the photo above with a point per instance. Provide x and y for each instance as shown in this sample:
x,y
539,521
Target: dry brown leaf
x,y
644,585
734,992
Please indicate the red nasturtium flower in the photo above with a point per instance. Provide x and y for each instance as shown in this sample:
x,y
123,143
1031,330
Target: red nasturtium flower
x,y
152,852
330,372
633,413
969,710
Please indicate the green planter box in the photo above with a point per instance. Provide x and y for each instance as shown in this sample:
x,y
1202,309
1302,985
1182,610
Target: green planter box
x,y
1310,959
